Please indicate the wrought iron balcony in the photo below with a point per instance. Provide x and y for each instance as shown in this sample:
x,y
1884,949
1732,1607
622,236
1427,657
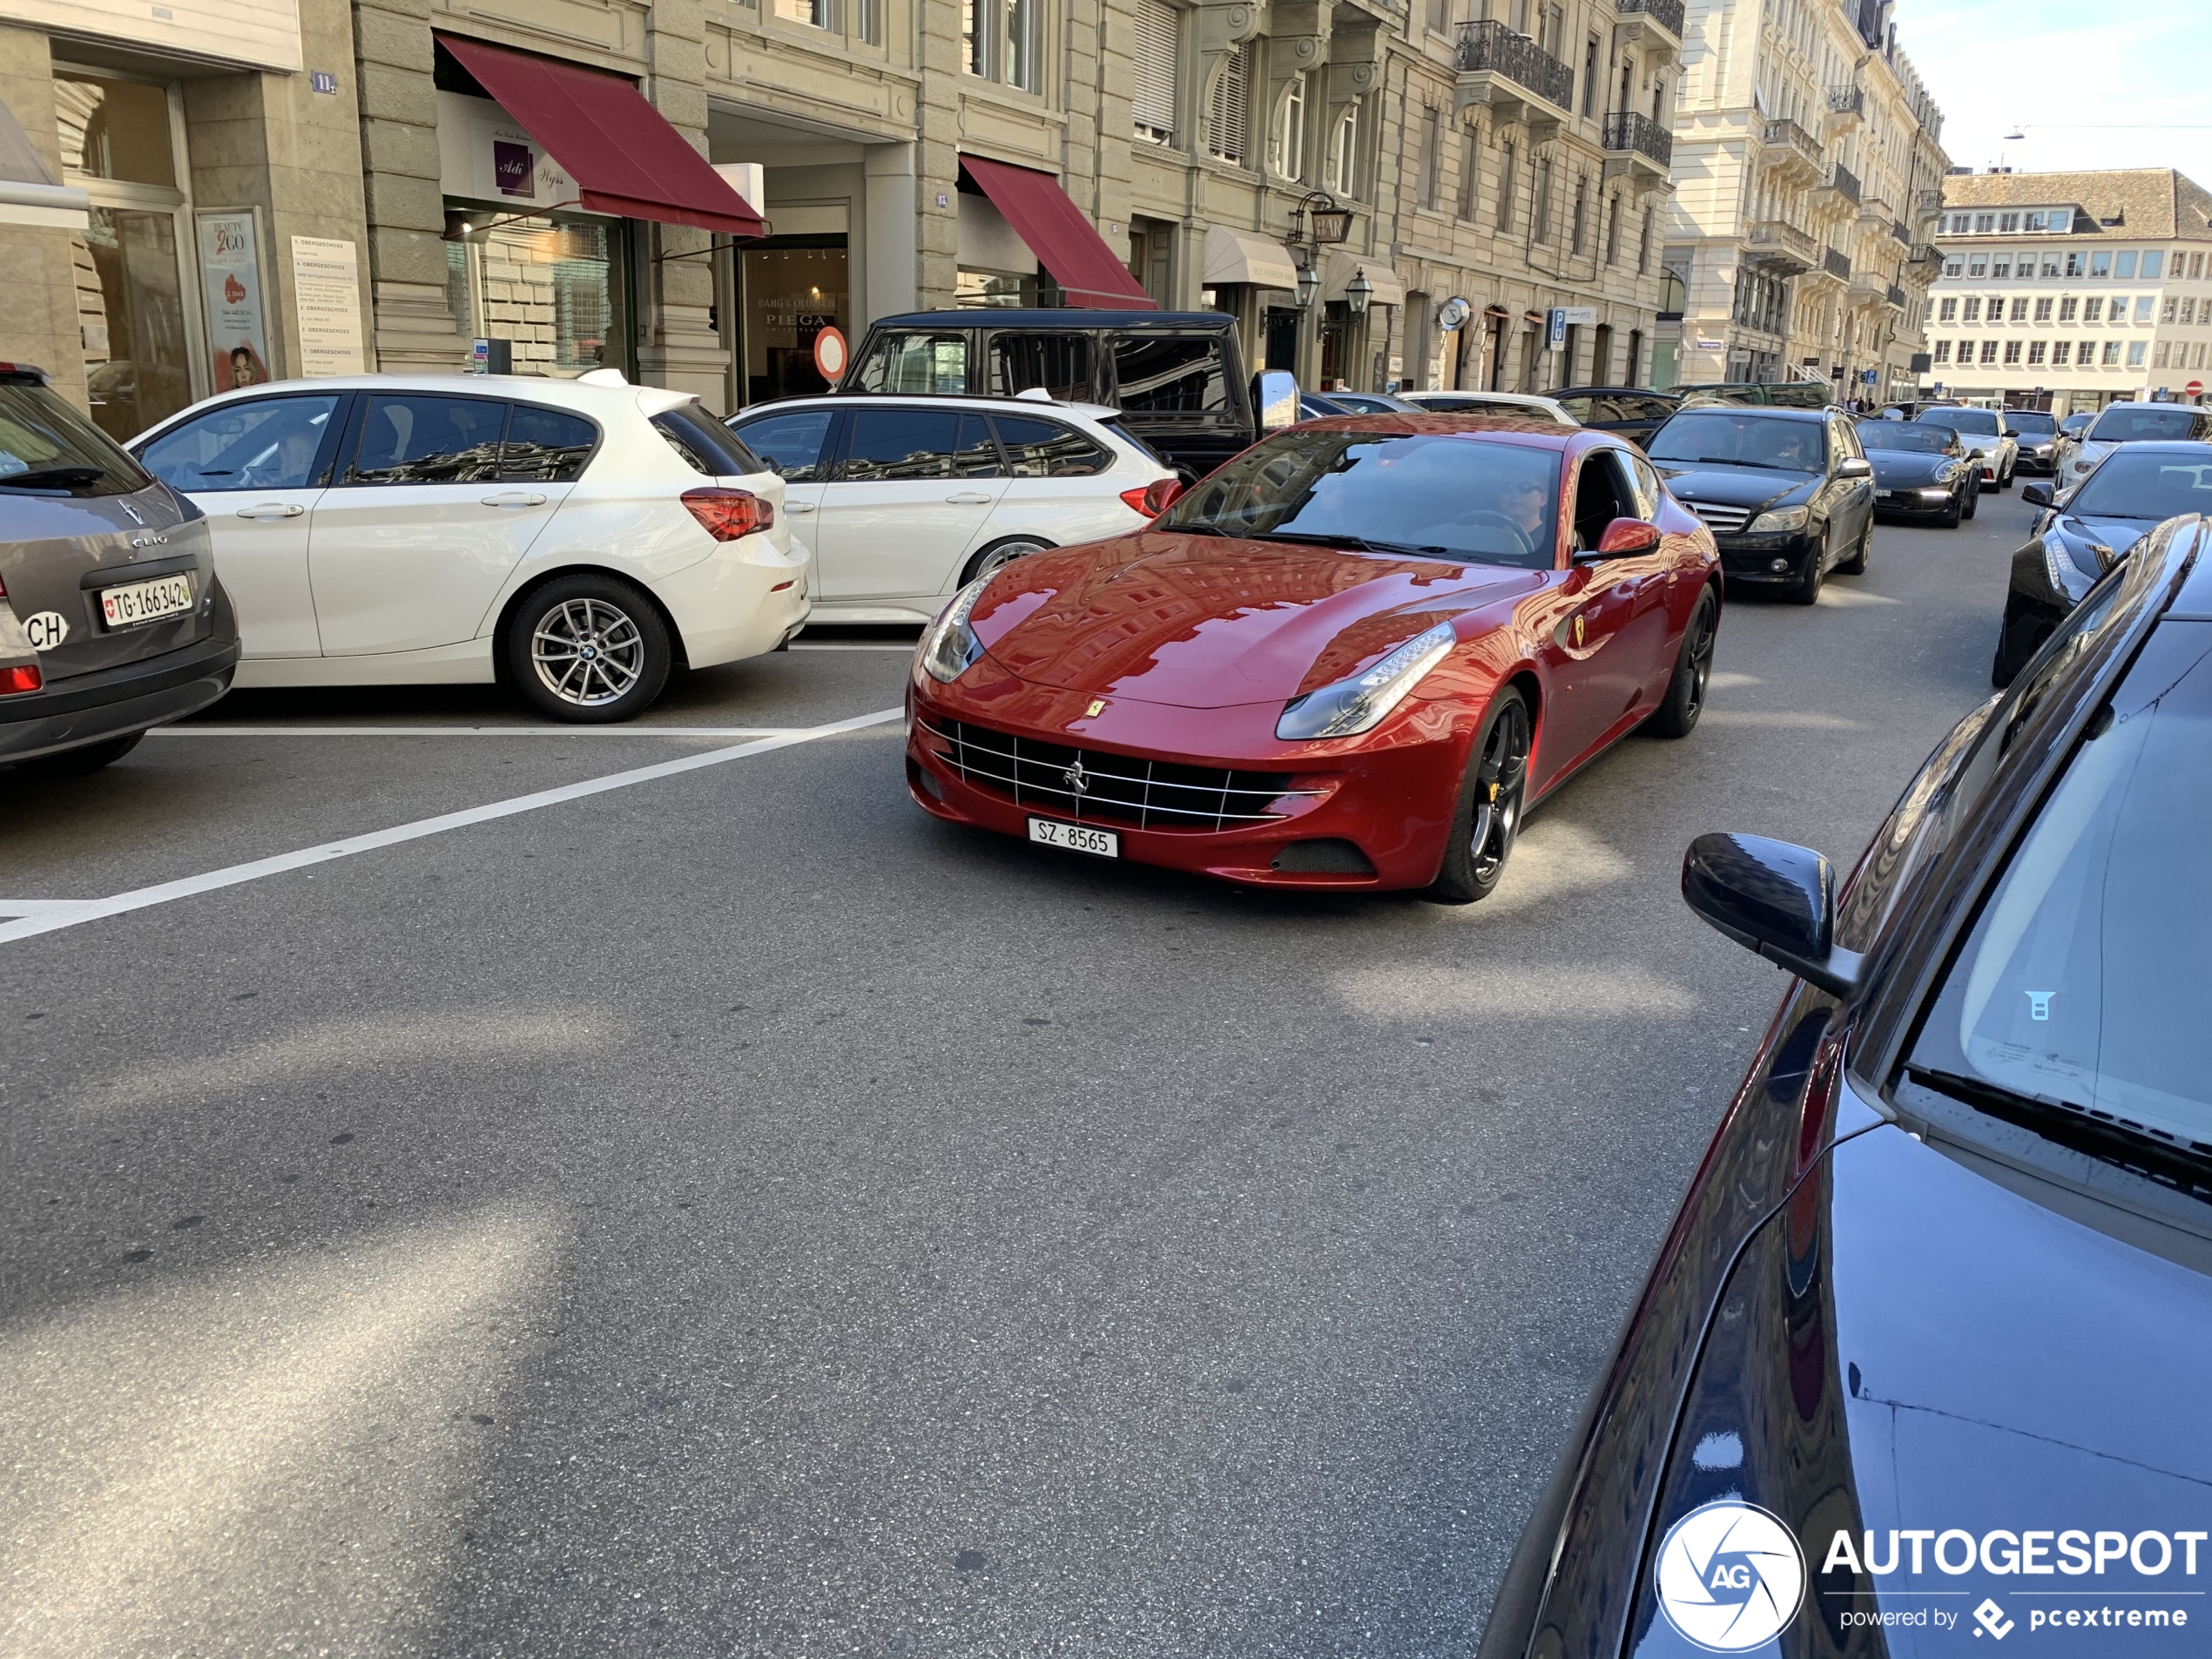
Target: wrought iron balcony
x,y
1929,201
1924,254
1900,234
1835,264
1782,248
1489,48
1633,133
1786,146
1846,104
1844,182
1897,296
1668,14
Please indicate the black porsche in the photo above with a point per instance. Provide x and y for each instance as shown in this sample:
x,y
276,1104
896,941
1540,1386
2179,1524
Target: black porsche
x,y
1924,1359
1920,472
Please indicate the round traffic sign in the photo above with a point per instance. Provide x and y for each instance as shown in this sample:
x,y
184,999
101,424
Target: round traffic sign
x,y
830,356
2194,389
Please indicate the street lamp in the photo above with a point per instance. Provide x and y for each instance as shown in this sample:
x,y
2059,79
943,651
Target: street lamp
x,y
1309,282
1358,292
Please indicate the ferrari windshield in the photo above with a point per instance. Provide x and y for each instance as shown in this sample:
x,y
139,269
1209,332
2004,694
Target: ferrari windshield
x,y
2154,486
1455,496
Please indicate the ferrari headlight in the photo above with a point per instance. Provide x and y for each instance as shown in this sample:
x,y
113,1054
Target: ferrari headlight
x,y
1356,705
950,647
1782,518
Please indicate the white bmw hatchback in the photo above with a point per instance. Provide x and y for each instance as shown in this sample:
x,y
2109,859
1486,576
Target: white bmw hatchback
x,y
905,500
575,540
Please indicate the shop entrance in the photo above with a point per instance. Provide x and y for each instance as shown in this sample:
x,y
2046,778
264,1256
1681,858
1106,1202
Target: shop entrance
x,y
790,289
1280,325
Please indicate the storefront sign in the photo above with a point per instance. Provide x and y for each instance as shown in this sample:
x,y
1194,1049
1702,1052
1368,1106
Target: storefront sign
x,y
1578,316
483,155
230,285
327,294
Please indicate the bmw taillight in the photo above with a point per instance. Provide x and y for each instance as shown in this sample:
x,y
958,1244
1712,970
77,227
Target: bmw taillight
x,y
728,514
24,676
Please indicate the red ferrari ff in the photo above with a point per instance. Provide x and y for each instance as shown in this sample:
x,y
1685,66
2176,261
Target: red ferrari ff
x,y
1352,656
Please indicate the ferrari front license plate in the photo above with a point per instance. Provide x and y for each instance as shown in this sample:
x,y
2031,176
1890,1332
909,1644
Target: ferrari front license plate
x,y
1076,838
144,602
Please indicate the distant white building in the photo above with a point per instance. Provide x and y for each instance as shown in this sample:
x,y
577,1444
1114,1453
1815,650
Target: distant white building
x,y
2069,291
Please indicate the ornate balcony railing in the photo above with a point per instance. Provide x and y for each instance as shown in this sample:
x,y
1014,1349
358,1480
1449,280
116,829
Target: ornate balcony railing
x,y
1633,131
1846,100
1668,14
1924,254
1897,296
1900,234
1784,133
1775,239
1488,44
1835,264
1929,201
1844,182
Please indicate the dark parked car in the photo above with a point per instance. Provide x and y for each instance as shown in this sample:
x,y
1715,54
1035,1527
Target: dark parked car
x,y
1177,377
111,618
1789,494
1372,403
1630,412
2037,434
1923,1354
1921,471
2090,529
1785,394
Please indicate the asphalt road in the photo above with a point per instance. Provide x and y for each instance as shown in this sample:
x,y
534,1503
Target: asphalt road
x,y
732,1213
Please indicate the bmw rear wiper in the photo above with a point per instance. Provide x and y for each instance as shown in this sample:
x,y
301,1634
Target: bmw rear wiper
x,y
51,477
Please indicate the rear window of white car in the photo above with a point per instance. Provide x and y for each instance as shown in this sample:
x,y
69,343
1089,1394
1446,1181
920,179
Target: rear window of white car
x,y
706,445
1047,450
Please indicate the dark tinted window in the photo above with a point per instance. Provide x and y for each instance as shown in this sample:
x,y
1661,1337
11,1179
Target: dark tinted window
x,y
1442,496
1047,450
1601,495
1059,363
914,362
1981,422
706,444
1647,486
546,445
2132,484
419,440
1744,438
270,443
1647,408
901,444
1170,374
1904,435
2132,422
1582,407
44,444
790,444
2031,424
2078,992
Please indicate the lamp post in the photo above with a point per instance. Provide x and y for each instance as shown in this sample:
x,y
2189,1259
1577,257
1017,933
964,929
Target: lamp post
x,y
1309,282
1358,292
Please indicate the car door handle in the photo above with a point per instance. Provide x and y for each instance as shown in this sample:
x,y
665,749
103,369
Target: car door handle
x,y
515,498
968,498
796,507
273,509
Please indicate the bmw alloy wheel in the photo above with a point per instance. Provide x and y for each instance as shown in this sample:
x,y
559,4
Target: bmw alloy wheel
x,y
587,652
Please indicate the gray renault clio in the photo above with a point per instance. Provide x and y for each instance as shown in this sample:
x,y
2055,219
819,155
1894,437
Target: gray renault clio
x,y
111,621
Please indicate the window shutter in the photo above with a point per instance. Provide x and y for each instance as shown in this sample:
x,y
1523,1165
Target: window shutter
x,y
1229,110
1153,105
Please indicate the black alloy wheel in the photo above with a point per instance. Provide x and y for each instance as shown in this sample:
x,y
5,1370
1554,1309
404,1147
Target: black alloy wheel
x,y
1973,497
1676,715
1491,798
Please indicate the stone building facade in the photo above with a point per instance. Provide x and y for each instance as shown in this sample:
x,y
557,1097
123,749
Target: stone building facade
x,y
1808,170
1509,153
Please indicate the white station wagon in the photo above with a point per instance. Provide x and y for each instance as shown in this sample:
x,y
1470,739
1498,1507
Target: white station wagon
x,y
575,540
905,500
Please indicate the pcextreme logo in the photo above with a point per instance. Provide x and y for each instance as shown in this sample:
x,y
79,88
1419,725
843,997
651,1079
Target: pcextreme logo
x,y
1731,1576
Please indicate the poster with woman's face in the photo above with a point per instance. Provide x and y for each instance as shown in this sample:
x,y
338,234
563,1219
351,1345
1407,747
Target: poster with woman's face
x,y
230,277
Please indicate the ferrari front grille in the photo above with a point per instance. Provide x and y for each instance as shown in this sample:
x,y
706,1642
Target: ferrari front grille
x,y
1091,784
1720,518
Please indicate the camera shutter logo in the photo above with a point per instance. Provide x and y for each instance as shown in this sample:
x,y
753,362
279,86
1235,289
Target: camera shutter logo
x,y
1731,1576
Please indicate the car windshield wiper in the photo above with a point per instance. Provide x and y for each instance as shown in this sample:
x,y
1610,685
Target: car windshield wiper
x,y
2169,1162
1365,544
51,477
1728,461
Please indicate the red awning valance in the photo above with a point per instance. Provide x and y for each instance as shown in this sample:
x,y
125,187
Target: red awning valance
x,y
622,153
1066,243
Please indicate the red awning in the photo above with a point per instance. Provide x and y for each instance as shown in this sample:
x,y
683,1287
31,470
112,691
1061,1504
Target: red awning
x,y
622,154
1088,271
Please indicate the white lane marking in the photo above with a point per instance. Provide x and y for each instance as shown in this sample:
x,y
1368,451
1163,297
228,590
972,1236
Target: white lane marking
x,y
44,916
474,731
1781,717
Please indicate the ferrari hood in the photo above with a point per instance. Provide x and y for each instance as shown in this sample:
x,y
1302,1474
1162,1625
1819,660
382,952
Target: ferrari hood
x,y
1205,621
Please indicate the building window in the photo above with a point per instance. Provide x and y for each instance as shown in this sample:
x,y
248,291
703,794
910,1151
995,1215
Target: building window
x,y
2001,268
2101,263
2019,309
1431,156
2153,262
1470,171
2092,309
2050,265
2143,303
2074,265
2112,353
1954,267
1152,104
1985,223
1580,239
1589,76
2059,351
1344,150
2164,351
1989,351
2137,350
1290,130
2166,312
821,14
1643,246
1541,210
2043,310
2067,307
1229,108
1973,311
1439,16
1978,265
1612,230
1947,310
2123,264
2008,222
1508,179
1942,351
2012,351
999,40
2188,312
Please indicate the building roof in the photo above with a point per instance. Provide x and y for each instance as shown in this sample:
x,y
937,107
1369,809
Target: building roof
x,y
2151,203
